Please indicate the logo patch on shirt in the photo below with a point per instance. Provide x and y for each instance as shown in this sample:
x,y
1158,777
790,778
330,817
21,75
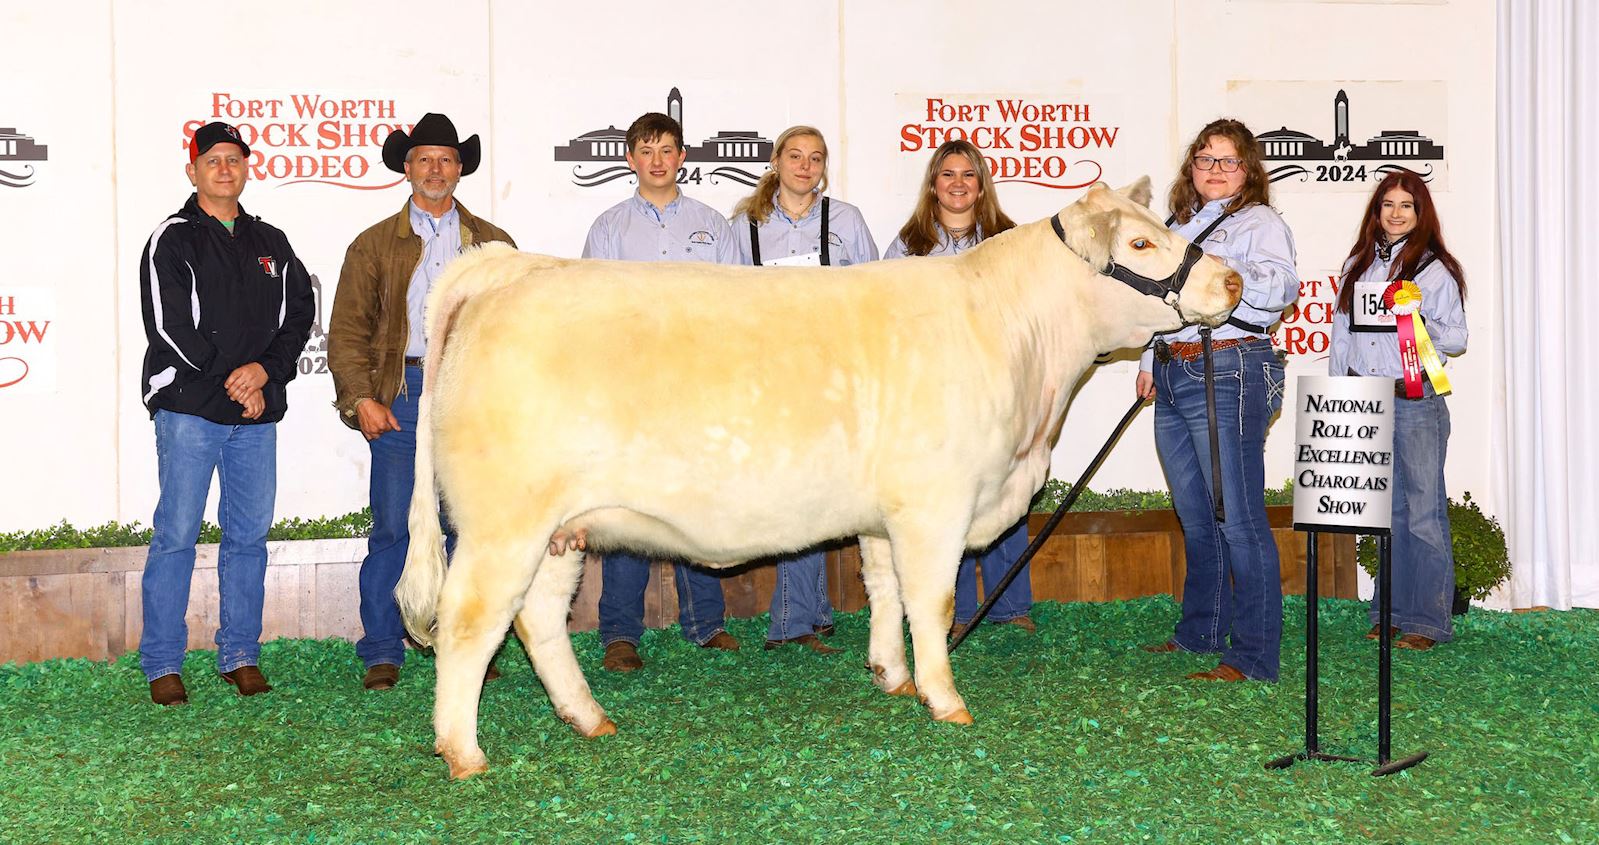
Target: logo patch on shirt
x,y
702,238
269,265
1218,236
834,239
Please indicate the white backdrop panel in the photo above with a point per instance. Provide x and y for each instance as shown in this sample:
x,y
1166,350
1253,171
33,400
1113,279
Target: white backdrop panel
x,y
1130,83
57,280
317,106
725,62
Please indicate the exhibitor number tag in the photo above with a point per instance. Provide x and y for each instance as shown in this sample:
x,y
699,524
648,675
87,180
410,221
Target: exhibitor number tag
x,y
1370,314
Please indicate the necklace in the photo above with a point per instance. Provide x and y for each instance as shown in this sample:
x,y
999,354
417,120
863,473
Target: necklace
x,y
957,235
810,199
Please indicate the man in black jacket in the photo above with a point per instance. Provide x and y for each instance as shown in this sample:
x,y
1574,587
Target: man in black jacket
x,y
227,309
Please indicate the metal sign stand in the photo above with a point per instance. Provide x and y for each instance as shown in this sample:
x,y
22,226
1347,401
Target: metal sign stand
x,y
1385,766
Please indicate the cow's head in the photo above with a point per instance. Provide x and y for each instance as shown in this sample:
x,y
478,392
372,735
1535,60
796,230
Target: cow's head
x,y
1115,233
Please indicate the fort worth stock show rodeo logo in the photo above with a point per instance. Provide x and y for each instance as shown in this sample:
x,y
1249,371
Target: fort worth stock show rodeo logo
x,y
1029,140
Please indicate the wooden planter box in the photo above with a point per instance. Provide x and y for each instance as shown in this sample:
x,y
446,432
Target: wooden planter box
x,y
86,602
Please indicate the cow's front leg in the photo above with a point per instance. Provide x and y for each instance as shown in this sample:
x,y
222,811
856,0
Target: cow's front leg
x,y
542,627
925,559
885,655
482,591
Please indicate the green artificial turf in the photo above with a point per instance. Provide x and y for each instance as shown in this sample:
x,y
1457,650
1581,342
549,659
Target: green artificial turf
x,y
1080,737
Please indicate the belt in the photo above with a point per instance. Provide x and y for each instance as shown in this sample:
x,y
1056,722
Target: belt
x,y
1426,390
1399,388
1191,350
414,362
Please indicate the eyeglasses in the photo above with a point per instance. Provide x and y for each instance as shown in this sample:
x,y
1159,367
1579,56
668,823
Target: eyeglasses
x,y
1228,165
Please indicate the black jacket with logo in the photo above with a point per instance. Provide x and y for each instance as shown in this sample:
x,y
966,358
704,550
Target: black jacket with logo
x,y
215,301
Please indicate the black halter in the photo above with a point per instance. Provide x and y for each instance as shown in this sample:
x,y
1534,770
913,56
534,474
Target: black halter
x,y
1166,289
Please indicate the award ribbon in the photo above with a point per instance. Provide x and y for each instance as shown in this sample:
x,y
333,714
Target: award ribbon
x,y
1416,350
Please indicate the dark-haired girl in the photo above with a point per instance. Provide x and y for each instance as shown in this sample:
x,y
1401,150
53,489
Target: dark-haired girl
x,y
1399,239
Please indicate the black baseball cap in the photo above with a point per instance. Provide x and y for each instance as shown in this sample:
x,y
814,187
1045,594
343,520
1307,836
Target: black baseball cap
x,y
212,134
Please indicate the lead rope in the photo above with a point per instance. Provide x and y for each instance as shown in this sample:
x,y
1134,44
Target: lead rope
x,y
1210,419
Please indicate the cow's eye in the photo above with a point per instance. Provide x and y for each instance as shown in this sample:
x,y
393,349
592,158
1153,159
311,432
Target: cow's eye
x,y
1141,243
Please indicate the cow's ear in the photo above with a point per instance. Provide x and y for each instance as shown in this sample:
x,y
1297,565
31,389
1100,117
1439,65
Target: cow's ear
x,y
1138,192
1090,234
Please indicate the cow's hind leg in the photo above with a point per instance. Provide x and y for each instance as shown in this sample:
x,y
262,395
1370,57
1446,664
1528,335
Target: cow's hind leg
x,y
483,590
542,626
885,655
925,559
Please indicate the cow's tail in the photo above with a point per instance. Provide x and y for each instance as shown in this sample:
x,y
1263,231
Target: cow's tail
x,y
417,593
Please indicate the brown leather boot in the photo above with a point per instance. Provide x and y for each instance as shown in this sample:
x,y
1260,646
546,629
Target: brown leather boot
x,y
622,656
722,641
1025,623
1376,631
810,641
1222,672
168,691
381,676
248,680
1415,642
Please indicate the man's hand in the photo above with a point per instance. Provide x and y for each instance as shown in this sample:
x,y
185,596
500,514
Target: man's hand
x,y
247,379
254,405
1146,385
375,418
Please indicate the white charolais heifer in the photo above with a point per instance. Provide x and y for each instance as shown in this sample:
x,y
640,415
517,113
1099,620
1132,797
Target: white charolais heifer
x,y
722,414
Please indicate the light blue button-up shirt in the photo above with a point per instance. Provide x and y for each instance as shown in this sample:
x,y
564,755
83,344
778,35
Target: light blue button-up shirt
x,y
1259,246
1377,353
849,241
686,230
441,243
896,249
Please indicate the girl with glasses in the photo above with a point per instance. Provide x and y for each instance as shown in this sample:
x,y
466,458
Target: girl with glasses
x,y
1232,592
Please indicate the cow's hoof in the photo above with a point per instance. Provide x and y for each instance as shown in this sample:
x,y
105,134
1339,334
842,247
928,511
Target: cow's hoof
x,y
463,766
606,727
907,688
958,717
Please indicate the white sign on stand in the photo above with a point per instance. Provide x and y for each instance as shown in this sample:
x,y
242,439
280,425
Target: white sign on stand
x,y
1343,454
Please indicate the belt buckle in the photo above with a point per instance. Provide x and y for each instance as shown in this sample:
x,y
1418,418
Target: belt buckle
x,y
1163,352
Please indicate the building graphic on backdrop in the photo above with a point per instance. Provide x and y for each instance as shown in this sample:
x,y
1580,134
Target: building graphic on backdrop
x,y
739,155
1288,151
17,151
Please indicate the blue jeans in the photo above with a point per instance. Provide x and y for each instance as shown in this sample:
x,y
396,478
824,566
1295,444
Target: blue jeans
x,y
1232,594
1423,552
244,457
623,578
799,603
392,479
996,560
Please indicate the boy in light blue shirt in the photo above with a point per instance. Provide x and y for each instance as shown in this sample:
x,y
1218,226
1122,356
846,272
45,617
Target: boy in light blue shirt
x,y
658,223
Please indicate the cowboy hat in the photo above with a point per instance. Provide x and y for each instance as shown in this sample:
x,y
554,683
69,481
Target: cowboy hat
x,y
433,130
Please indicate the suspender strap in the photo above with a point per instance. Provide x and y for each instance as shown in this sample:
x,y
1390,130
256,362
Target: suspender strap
x,y
1248,327
755,239
826,259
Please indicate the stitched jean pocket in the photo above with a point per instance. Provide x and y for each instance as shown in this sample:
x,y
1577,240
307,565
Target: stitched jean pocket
x,y
1276,385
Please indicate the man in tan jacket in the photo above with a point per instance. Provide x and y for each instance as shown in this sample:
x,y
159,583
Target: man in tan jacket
x,y
376,349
